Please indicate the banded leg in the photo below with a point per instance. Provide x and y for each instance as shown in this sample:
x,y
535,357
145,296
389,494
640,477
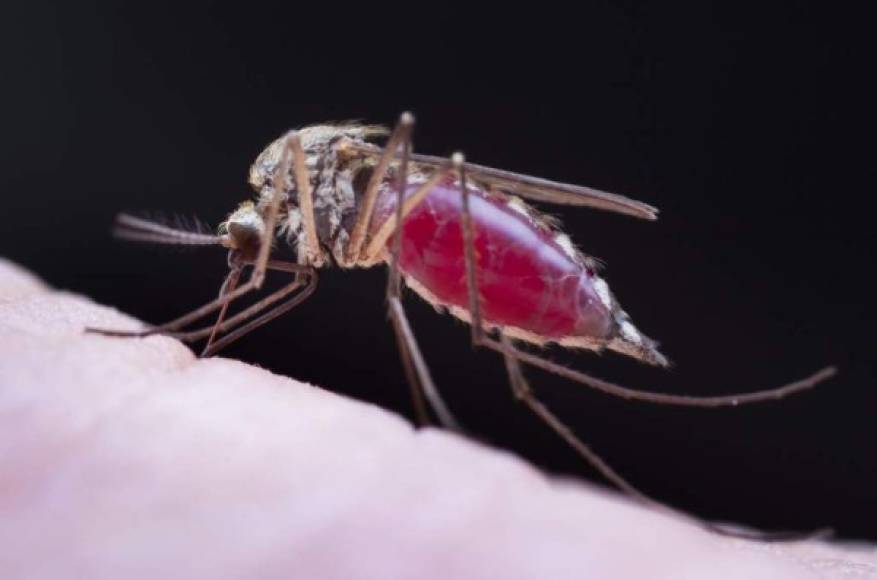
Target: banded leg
x,y
260,263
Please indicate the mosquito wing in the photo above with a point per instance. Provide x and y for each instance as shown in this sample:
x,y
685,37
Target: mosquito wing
x,y
548,191
535,188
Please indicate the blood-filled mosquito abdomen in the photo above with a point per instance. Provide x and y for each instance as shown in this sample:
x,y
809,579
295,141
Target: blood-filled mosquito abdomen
x,y
527,277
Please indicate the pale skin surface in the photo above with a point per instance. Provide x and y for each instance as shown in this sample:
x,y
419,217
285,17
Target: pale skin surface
x,y
132,459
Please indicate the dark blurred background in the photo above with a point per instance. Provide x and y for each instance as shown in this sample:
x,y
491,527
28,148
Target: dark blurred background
x,y
739,125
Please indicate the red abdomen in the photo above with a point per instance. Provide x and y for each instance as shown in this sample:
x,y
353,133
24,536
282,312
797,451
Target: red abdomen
x,y
526,278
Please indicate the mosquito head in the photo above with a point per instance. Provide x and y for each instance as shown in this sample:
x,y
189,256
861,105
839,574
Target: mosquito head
x,y
243,229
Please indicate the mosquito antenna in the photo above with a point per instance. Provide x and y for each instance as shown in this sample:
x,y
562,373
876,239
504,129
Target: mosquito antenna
x,y
129,227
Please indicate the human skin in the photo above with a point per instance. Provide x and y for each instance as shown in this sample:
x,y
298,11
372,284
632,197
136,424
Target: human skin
x,y
134,459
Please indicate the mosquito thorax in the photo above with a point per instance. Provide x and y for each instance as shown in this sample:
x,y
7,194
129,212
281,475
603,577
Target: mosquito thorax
x,y
331,177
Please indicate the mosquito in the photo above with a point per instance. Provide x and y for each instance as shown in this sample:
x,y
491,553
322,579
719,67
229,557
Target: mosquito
x,y
459,235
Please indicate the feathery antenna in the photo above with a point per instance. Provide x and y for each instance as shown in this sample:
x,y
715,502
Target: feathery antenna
x,y
129,227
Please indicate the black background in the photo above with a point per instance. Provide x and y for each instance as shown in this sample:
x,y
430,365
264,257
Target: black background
x,y
739,125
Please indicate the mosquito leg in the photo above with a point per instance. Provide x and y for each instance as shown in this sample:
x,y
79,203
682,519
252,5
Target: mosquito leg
x,y
311,255
479,338
269,315
523,392
401,134
230,283
416,371
520,387
224,326
469,254
513,356
394,288
661,398
377,244
254,309
310,245
414,365
272,209
376,248
212,348
182,321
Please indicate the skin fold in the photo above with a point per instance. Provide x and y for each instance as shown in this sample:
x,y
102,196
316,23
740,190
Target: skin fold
x,y
133,459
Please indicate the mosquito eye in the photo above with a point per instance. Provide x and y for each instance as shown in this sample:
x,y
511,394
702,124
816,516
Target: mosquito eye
x,y
245,227
240,231
245,237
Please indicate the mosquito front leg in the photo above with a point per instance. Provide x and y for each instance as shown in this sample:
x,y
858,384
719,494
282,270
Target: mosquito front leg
x,y
301,272
269,315
311,255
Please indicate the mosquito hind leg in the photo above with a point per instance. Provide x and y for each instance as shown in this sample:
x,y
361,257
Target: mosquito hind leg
x,y
513,357
615,390
479,338
518,382
523,392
